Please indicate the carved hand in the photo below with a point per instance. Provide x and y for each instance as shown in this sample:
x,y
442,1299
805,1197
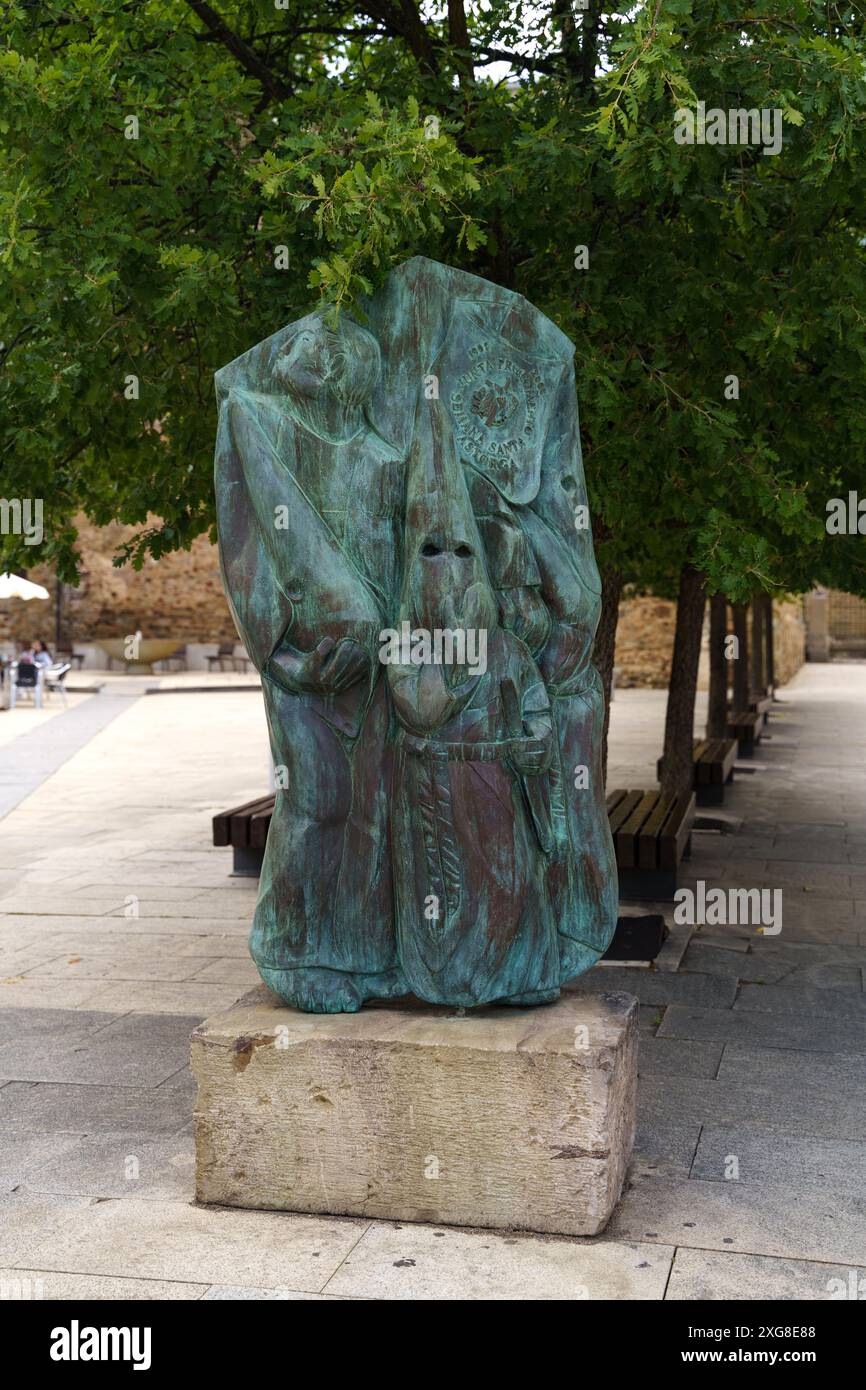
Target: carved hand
x,y
530,743
524,612
326,670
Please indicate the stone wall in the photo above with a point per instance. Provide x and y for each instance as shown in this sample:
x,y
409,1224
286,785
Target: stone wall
x,y
835,625
645,642
179,596
789,639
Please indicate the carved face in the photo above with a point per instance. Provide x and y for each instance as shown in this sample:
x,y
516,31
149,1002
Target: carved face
x,y
306,363
450,586
318,361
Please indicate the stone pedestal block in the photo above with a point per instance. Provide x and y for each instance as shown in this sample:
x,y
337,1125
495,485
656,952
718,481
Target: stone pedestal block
x,y
508,1118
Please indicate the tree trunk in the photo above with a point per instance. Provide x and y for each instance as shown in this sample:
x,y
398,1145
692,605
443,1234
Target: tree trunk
x,y
717,708
604,646
677,768
741,669
758,681
58,615
770,667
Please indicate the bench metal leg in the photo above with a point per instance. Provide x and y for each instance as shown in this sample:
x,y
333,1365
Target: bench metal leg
x,y
648,885
246,863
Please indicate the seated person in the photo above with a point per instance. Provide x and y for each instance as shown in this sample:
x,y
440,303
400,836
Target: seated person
x,y
41,655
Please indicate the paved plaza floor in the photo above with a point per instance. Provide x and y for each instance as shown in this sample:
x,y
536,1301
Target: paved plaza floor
x,y
121,930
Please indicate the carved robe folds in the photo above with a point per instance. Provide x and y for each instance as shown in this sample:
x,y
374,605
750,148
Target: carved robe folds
x,y
434,833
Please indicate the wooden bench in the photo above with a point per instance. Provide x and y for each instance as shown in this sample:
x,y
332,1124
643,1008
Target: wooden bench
x,y
651,834
245,828
714,767
761,704
746,726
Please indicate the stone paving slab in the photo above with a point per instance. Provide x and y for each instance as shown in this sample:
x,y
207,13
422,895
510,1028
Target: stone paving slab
x,y
135,1050
23,1151
747,1218
88,1109
704,1274
57,903
28,1219
787,1105
30,759
809,850
676,942
831,881
223,1292
840,1071
170,969
54,1287
714,960
791,1030
233,971
835,935
183,1080
235,909
48,1025
16,962
724,938
20,929
800,954
153,894
429,1262
663,1148
88,880
19,994
764,1156
658,987
845,1002
845,974
165,998
678,1057
819,917
176,1241
129,939
118,1165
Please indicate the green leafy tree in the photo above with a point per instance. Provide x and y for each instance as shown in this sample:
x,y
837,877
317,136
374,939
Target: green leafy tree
x,y
178,178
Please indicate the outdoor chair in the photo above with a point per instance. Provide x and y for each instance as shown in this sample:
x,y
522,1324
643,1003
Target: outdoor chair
x,y
73,657
225,652
26,677
180,656
54,678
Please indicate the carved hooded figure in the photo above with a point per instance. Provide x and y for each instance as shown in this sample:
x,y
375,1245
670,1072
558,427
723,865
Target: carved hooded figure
x,y
471,826
505,375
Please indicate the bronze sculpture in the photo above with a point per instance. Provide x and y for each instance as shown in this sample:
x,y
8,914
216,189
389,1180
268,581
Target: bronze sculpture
x,y
441,827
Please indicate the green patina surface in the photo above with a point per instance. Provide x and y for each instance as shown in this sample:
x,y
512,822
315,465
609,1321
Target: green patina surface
x,y
440,825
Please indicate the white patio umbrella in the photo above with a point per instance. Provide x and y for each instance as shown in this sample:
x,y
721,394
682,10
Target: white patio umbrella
x,y
13,586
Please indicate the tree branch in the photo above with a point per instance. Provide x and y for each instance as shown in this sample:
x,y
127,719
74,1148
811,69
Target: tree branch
x,y
249,61
403,19
458,37
518,60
